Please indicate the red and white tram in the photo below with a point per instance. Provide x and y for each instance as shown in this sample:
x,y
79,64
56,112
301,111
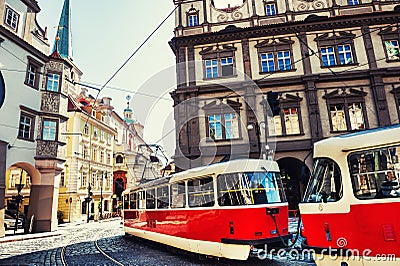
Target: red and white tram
x,y
220,210
349,211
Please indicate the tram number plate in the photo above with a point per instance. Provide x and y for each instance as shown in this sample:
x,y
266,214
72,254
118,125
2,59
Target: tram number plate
x,y
151,223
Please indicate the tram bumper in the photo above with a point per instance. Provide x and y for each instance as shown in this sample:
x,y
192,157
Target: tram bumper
x,y
271,241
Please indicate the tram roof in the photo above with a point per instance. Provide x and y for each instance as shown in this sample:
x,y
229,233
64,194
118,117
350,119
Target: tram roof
x,y
234,166
361,140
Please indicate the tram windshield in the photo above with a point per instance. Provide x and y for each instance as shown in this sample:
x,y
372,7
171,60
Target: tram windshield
x,y
250,188
325,183
375,173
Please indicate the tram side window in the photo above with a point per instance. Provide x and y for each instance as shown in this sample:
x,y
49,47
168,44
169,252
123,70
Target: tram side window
x,y
132,201
178,199
230,190
150,199
326,182
142,199
162,197
126,201
375,173
201,192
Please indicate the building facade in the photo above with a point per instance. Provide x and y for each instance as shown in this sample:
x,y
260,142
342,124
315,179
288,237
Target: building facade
x,y
332,66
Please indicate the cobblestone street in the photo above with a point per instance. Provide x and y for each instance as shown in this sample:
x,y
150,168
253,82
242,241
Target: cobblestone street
x,y
77,243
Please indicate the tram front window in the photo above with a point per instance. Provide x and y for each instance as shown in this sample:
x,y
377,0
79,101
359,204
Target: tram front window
x,y
325,183
250,188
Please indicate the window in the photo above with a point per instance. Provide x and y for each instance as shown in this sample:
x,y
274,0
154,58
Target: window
x,y
86,129
53,82
62,179
336,49
95,132
250,188
85,152
84,179
49,131
193,20
26,126
353,2
390,40
178,198
288,121
329,55
347,110
150,199
214,69
396,92
222,120
375,173
132,201
119,159
108,158
326,182
201,192
275,55
162,197
101,156
94,158
32,73
392,49
219,62
270,9
11,18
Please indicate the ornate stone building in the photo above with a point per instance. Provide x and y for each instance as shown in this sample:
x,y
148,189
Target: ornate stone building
x,y
332,66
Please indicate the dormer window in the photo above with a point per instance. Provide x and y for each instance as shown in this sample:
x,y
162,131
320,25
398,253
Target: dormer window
x,y
11,18
270,8
192,17
353,2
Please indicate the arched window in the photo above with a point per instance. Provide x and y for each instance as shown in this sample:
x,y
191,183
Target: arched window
x,y
119,159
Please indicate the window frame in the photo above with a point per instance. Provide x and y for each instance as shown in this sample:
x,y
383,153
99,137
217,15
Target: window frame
x,y
222,109
334,40
192,13
396,94
55,131
8,10
219,54
289,102
387,35
275,47
53,81
32,126
36,74
270,4
352,97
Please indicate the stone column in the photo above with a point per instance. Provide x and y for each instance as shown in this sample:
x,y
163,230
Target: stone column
x,y
44,195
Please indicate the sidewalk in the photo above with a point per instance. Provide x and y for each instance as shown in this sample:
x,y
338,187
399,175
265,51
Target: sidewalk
x,y
20,236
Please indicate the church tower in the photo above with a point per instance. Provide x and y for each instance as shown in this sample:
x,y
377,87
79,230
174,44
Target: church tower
x,y
64,33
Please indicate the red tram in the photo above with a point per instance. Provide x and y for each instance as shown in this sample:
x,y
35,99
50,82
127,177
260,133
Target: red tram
x,y
220,210
349,211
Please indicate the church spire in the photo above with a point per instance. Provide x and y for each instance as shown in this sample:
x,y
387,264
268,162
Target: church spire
x,y
63,44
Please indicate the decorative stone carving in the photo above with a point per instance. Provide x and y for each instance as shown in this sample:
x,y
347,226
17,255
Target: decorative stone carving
x,y
222,18
237,15
304,5
50,102
46,148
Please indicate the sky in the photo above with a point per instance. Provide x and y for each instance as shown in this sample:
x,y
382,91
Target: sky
x,y
104,35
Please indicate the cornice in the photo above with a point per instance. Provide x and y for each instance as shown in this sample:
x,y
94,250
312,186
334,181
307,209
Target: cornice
x,y
33,5
386,17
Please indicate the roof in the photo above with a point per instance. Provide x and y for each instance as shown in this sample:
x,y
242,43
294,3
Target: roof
x,y
239,165
63,33
361,140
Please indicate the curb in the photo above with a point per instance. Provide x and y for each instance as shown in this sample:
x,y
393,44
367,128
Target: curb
x,y
27,237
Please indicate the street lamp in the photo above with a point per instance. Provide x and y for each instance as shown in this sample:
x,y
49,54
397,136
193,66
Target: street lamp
x,y
18,199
